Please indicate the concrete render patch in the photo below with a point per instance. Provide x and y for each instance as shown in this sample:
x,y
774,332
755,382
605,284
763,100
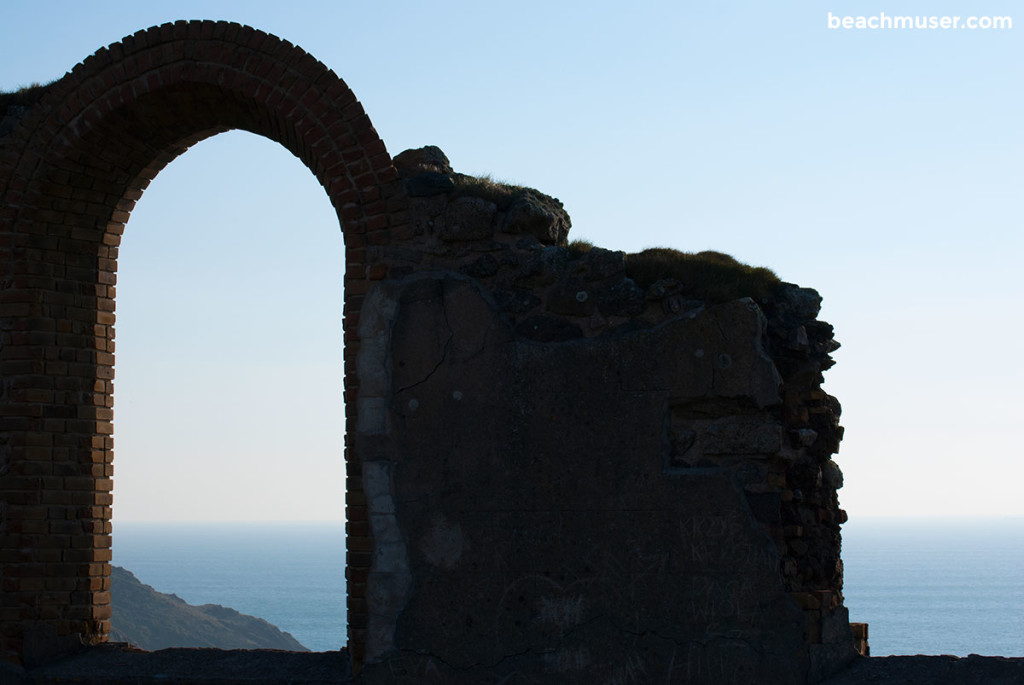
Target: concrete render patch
x,y
389,579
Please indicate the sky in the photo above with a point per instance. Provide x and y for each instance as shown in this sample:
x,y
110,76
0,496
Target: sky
x,y
882,168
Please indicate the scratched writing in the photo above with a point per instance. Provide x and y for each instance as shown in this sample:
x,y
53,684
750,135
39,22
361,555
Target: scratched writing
x,y
720,663
562,612
713,599
725,542
566,659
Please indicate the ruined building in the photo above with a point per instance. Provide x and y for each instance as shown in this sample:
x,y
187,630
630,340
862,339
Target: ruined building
x,y
565,464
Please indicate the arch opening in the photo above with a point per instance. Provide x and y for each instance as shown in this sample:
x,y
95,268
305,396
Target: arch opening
x,y
228,416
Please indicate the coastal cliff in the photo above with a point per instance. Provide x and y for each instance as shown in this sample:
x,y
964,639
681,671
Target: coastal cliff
x,y
154,620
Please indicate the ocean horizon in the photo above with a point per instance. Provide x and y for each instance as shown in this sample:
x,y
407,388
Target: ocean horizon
x,y
924,585
291,574
937,585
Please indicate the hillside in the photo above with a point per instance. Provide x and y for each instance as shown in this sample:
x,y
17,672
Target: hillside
x,y
154,620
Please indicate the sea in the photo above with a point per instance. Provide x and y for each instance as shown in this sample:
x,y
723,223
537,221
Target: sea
x,y
291,574
924,586
937,585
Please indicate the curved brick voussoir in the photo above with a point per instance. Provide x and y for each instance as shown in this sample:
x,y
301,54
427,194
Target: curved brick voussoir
x,y
71,170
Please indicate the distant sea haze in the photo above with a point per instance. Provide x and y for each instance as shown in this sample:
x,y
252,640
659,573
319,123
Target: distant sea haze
x,y
924,586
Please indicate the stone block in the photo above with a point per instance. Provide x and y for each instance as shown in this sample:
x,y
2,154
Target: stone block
x,y
468,218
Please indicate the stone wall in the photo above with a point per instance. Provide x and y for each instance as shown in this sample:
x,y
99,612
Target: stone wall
x,y
575,477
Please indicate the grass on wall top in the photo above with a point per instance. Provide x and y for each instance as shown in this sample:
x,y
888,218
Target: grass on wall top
x,y
708,275
23,97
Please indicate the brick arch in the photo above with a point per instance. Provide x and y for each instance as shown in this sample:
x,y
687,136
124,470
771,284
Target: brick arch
x,y
71,171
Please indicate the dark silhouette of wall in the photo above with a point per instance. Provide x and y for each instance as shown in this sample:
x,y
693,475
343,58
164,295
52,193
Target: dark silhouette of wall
x,y
554,473
579,470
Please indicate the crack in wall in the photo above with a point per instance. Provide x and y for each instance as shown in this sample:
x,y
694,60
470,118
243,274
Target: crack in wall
x,y
445,348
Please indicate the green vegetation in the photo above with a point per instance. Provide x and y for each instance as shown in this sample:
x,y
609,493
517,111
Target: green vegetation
x,y
711,276
25,96
578,248
501,194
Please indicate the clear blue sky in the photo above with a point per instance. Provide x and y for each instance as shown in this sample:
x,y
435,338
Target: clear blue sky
x,y
884,169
